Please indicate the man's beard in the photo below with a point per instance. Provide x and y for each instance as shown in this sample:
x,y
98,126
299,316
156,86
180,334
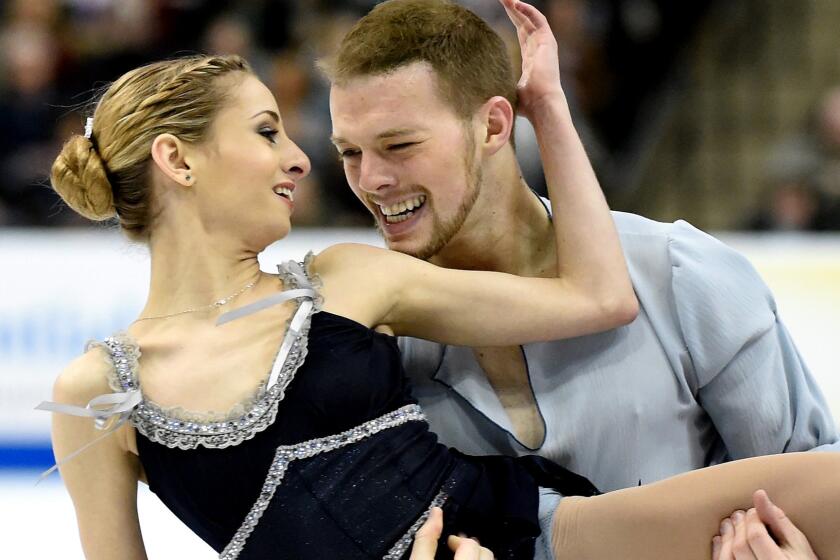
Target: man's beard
x,y
444,231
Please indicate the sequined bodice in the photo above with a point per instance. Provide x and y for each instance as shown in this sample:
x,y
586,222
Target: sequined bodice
x,y
340,409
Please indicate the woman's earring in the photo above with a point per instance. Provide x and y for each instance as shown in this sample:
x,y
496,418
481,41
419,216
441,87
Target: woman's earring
x,y
189,177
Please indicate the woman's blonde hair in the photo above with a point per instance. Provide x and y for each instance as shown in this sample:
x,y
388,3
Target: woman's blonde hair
x,y
106,175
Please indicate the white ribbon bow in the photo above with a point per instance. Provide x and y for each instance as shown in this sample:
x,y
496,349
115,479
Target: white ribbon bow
x,y
121,406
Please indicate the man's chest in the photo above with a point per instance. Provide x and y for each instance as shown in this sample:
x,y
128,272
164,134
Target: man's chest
x,y
613,406
507,372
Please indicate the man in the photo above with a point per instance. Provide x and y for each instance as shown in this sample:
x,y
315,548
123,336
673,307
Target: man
x,y
706,373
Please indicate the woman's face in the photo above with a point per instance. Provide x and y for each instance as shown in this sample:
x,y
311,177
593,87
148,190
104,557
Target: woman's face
x,y
246,170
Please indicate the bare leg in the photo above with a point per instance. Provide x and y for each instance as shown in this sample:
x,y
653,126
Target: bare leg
x,y
677,518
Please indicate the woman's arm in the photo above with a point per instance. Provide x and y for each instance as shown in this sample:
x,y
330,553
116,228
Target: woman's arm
x,y
589,255
591,291
102,480
678,517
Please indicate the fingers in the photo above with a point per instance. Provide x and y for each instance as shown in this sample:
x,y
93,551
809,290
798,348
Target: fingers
x,y
425,540
518,19
468,549
525,16
775,518
744,536
760,541
535,17
727,536
740,545
788,534
765,508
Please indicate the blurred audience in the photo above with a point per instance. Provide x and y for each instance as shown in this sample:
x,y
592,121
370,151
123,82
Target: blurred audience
x,y
28,116
803,175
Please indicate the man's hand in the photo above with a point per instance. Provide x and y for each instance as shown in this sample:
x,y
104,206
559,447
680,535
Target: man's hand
x,y
425,542
744,536
540,80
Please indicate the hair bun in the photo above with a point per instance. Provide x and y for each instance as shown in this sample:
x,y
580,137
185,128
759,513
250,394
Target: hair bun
x,y
78,175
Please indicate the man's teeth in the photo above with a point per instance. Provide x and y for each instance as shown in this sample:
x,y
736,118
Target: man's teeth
x,y
283,191
402,210
399,218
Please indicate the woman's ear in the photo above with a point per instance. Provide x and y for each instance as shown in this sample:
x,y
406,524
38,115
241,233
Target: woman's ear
x,y
169,154
497,116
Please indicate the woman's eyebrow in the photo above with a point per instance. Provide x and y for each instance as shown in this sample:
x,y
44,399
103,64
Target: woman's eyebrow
x,y
268,112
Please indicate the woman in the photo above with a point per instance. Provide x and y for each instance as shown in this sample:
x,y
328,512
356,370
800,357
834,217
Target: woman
x,y
326,455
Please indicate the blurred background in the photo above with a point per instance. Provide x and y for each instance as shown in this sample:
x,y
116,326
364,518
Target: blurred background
x,y
724,113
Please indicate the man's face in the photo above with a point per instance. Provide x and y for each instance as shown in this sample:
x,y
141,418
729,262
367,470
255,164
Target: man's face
x,y
407,156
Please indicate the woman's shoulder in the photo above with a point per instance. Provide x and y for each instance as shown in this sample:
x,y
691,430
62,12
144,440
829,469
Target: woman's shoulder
x,y
344,253
84,378
352,263
361,259
360,281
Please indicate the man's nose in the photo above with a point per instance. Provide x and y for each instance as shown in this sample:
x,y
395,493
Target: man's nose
x,y
375,173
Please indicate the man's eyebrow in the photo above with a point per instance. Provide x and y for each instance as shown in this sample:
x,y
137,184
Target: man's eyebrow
x,y
390,133
270,113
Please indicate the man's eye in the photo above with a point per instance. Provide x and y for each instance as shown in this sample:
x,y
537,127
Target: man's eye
x,y
270,133
401,146
344,154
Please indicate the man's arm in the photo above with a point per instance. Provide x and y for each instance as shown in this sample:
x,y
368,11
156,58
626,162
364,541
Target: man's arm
x,y
747,372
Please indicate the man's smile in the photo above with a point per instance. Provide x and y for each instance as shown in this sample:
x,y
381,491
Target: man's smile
x,y
400,211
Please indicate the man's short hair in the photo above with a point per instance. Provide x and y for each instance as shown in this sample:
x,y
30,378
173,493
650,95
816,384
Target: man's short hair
x,y
470,59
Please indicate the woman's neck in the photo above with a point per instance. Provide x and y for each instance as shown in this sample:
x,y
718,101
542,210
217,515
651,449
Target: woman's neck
x,y
194,271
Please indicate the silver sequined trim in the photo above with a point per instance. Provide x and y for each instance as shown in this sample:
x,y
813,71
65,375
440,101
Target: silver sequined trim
x,y
122,354
167,427
404,542
287,453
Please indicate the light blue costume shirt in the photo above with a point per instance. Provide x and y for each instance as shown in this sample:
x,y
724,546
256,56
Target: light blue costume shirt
x,y
706,373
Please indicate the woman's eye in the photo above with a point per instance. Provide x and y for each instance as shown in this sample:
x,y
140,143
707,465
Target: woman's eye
x,y
401,146
270,133
344,154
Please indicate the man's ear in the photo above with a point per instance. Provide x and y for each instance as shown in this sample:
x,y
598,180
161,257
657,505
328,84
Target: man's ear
x,y
170,155
497,117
